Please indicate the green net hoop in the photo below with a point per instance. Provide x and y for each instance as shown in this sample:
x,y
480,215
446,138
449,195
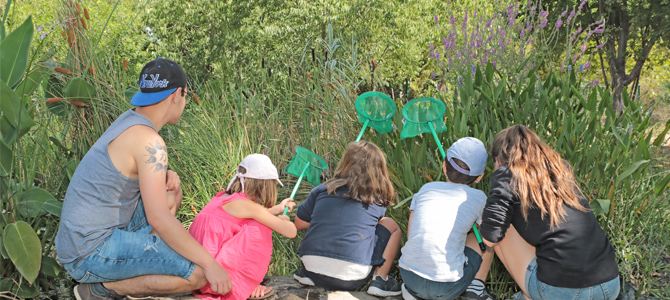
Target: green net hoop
x,y
378,108
418,113
300,160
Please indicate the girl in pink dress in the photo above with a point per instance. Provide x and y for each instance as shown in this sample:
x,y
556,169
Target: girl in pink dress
x,y
236,228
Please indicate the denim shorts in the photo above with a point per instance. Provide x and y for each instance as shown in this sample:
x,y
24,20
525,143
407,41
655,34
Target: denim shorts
x,y
428,289
538,290
130,252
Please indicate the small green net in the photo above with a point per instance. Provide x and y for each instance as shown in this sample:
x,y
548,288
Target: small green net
x,y
378,108
300,160
418,113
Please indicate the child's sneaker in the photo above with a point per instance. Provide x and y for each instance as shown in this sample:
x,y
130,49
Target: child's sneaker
x,y
484,296
384,288
301,277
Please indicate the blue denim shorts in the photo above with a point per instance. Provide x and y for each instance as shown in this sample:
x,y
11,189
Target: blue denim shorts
x,y
538,290
130,252
428,289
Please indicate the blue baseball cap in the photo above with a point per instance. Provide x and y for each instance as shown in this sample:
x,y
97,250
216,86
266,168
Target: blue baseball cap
x,y
159,78
472,152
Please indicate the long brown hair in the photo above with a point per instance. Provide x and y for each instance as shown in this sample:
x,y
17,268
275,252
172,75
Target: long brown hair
x,y
540,178
261,191
363,170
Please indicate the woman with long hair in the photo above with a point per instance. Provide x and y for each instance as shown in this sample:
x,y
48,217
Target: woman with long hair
x,y
540,224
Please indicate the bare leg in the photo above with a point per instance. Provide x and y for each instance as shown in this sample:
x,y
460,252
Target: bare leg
x,y
487,257
516,254
149,285
392,246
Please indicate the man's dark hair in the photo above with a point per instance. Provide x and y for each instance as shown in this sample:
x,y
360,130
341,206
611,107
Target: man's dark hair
x,y
458,177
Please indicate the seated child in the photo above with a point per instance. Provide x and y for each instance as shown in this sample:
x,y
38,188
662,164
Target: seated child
x,y
440,259
236,227
348,239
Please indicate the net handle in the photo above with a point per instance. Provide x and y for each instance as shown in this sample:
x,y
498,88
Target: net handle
x,y
297,184
444,157
365,125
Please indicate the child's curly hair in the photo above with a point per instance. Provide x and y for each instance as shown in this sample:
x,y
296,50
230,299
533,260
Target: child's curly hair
x,y
363,170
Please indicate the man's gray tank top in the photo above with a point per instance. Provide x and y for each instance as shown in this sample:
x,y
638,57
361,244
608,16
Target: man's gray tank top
x,y
99,198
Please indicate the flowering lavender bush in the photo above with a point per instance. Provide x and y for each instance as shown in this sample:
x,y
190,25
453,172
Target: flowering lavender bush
x,y
514,39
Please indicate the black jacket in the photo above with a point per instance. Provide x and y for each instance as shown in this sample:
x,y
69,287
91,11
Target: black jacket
x,y
576,254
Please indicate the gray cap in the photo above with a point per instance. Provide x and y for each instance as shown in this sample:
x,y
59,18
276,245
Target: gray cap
x,y
472,152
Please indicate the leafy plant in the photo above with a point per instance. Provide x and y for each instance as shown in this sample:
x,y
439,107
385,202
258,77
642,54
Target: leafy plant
x,y
24,254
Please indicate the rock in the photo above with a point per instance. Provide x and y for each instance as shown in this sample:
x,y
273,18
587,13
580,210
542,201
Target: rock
x,y
628,292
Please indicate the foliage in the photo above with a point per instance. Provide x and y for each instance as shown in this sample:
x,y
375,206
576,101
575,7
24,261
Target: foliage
x,y
633,28
514,39
272,75
26,208
608,153
219,38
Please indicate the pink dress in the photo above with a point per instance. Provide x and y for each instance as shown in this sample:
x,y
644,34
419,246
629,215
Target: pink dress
x,y
242,246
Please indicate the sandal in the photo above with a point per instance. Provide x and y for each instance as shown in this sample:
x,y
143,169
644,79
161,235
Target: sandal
x,y
269,292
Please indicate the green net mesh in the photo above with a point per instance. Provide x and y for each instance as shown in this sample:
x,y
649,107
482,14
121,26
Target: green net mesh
x,y
300,160
418,113
378,108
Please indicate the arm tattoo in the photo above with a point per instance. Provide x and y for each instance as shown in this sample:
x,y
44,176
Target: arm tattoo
x,y
157,157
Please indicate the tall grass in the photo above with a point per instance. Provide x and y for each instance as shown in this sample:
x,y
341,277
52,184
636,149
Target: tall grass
x,y
308,101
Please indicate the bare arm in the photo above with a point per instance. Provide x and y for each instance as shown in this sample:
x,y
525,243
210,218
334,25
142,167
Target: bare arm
x,y
151,157
409,222
243,208
300,224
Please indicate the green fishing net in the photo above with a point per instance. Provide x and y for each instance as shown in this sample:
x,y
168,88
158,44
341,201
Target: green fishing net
x,y
378,108
299,162
418,113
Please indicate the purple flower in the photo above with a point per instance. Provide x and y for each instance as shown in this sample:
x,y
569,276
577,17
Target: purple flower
x,y
452,19
544,23
43,35
572,14
574,58
488,24
458,55
438,86
39,28
582,5
583,48
465,20
432,47
559,23
587,65
599,30
543,13
494,63
432,74
437,55
460,80
563,13
581,67
593,83
569,67
437,21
